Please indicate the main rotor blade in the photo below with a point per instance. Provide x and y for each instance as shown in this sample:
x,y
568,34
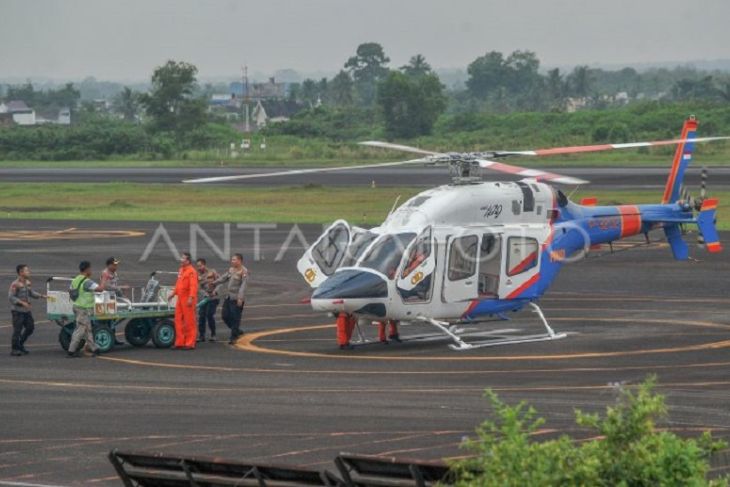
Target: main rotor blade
x,y
295,172
575,149
529,173
398,147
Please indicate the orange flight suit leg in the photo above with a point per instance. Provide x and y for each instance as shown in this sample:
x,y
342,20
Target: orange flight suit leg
x,y
342,337
393,328
179,325
190,325
381,331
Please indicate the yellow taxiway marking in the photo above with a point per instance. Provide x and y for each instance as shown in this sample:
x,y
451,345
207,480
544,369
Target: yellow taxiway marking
x,y
247,343
350,389
291,371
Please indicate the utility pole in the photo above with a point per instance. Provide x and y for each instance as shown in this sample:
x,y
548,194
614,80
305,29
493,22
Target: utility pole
x,y
244,89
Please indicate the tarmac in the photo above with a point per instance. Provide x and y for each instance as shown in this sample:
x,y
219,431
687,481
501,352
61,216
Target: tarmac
x,y
600,177
286,395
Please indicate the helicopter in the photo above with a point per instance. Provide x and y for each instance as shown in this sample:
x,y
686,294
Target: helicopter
x,y
471,251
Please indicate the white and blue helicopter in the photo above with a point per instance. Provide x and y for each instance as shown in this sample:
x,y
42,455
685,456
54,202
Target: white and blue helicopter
x,y
472,250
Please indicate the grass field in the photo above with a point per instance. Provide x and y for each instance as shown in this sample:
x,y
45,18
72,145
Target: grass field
x,y
297,204
350,154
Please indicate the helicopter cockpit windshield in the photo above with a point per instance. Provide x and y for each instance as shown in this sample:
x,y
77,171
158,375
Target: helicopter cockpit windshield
x,y
386,253
360,242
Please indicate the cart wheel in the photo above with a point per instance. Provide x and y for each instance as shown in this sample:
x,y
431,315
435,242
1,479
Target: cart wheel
x,y
104,338
64,336
163,334
137,332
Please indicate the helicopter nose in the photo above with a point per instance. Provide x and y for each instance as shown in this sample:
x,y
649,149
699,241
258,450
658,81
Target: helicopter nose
x,y
352,284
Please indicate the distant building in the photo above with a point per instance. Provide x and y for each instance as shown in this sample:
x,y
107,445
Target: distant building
x,y
273,111
22,113
269,90
57,117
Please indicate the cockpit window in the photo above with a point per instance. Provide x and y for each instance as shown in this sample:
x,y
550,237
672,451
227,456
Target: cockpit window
x,y
355,250
329,251
420,251
386,254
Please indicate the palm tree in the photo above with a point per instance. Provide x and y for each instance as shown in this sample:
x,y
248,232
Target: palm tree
x,y
127,104
417,66
341,89
580,81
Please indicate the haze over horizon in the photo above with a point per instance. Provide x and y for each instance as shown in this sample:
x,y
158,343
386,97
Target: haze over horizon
x,y
125,40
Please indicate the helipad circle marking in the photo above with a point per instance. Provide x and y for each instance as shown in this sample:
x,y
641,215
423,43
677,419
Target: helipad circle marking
x,y
247,344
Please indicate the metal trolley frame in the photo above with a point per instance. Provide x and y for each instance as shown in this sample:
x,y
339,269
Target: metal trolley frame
x,y
147,314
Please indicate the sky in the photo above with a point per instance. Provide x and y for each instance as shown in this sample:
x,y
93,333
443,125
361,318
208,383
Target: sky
x,y
126,39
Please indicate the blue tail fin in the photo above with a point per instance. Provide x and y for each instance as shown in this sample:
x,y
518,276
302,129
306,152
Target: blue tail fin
x,y
678,245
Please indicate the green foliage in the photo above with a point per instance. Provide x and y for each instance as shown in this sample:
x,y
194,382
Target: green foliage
x,y
628,450
170,104
127,104
368,67
410,105
507,83
65,97
341,92
103,138
340,124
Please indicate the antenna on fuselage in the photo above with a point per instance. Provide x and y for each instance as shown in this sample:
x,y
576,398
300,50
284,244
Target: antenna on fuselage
x,y
395,204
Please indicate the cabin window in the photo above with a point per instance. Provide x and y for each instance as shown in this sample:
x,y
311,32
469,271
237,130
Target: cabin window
x,y
522,255
330,249
418,200
418,254
490,260
463,257
516,207
528,198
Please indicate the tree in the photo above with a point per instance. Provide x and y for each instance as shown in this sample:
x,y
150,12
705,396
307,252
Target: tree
x,y
410,106
309,92
341,89
126,103
170,102
323,90
368,67
486,74
555,88
417,66
580,81
521,71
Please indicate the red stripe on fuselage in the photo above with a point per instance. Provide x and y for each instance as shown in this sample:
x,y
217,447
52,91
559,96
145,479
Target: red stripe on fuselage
x,y
630,220
516,293
524,264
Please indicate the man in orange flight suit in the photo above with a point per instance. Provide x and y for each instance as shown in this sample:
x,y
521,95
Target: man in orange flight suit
x,y
186,290
345,326
393,331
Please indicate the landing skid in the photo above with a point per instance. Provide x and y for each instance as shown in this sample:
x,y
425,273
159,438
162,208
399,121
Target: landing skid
x,y
459,344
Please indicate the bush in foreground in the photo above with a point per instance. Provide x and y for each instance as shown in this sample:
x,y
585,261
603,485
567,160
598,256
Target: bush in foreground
x,y
628,449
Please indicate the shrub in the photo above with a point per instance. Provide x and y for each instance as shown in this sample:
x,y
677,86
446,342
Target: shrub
x,y
629,449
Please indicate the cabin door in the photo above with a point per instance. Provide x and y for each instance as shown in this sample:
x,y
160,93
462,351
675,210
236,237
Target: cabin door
x,y
521,270
460,273
322,259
